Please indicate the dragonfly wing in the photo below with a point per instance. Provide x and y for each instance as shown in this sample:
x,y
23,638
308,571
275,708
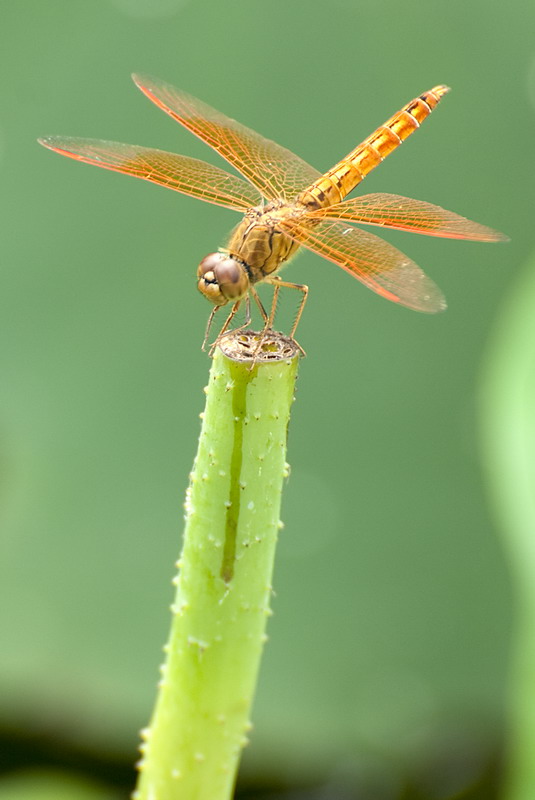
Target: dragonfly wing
x,y
187,175
394,211
274,170
374,262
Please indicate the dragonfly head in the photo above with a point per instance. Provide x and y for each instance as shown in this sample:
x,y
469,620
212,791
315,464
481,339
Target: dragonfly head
x,y
222,278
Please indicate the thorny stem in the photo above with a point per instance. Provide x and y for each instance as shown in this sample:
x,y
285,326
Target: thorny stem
x,y
191,749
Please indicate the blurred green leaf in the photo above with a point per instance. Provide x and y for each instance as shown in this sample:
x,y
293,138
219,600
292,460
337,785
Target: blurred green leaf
x,y
508,401
51,785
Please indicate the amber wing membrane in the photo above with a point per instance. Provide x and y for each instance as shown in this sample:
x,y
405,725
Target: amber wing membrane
x,y
404,213
186,175
275,171
377,264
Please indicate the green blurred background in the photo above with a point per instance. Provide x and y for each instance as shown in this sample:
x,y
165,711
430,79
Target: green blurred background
x,y
386,669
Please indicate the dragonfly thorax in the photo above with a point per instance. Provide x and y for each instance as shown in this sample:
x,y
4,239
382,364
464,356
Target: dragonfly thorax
x,y
222,278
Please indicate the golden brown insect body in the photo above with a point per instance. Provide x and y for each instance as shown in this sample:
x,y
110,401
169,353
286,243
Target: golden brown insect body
x,y
336,184
259,245
287,203
260,242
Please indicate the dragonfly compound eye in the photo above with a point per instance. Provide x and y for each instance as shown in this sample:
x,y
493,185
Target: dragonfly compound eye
x,y
222,278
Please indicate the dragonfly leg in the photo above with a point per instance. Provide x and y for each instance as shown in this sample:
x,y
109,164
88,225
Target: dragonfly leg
x,y
208,326
233,312
258,302
244,324
300,287
278,283
224,330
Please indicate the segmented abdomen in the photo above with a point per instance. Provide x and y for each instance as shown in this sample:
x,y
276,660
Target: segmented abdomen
x,y
343,177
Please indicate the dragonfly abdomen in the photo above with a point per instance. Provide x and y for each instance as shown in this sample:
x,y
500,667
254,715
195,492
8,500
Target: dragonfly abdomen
x,y
332,187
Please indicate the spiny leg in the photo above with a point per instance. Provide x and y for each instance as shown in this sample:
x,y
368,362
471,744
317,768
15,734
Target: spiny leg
x,y
228,320
267,324
268,321
278,283
244,324
224,330
258,302
209,325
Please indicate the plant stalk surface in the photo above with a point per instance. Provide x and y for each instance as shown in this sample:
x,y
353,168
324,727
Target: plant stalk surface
x,y
192,747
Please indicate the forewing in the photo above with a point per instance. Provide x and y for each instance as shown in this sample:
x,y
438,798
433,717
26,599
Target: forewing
x,y
274,170
187,175
394,211
376,263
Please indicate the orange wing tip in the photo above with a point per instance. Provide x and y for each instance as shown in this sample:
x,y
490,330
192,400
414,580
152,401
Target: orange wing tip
x,y
434,303
53,143
499,237
57,145
481,233
142,82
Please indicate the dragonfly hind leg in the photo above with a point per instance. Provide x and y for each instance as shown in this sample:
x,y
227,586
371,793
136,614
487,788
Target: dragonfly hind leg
x,y
277,284
268,319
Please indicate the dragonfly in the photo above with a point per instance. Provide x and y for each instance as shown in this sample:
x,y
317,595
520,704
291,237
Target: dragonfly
x,y
288,204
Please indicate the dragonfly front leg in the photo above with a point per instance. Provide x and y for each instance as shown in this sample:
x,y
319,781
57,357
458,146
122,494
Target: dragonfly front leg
x,y
209,325
224,330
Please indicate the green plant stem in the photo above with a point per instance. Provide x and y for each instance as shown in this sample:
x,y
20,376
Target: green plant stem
x,y
199,726
508,414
